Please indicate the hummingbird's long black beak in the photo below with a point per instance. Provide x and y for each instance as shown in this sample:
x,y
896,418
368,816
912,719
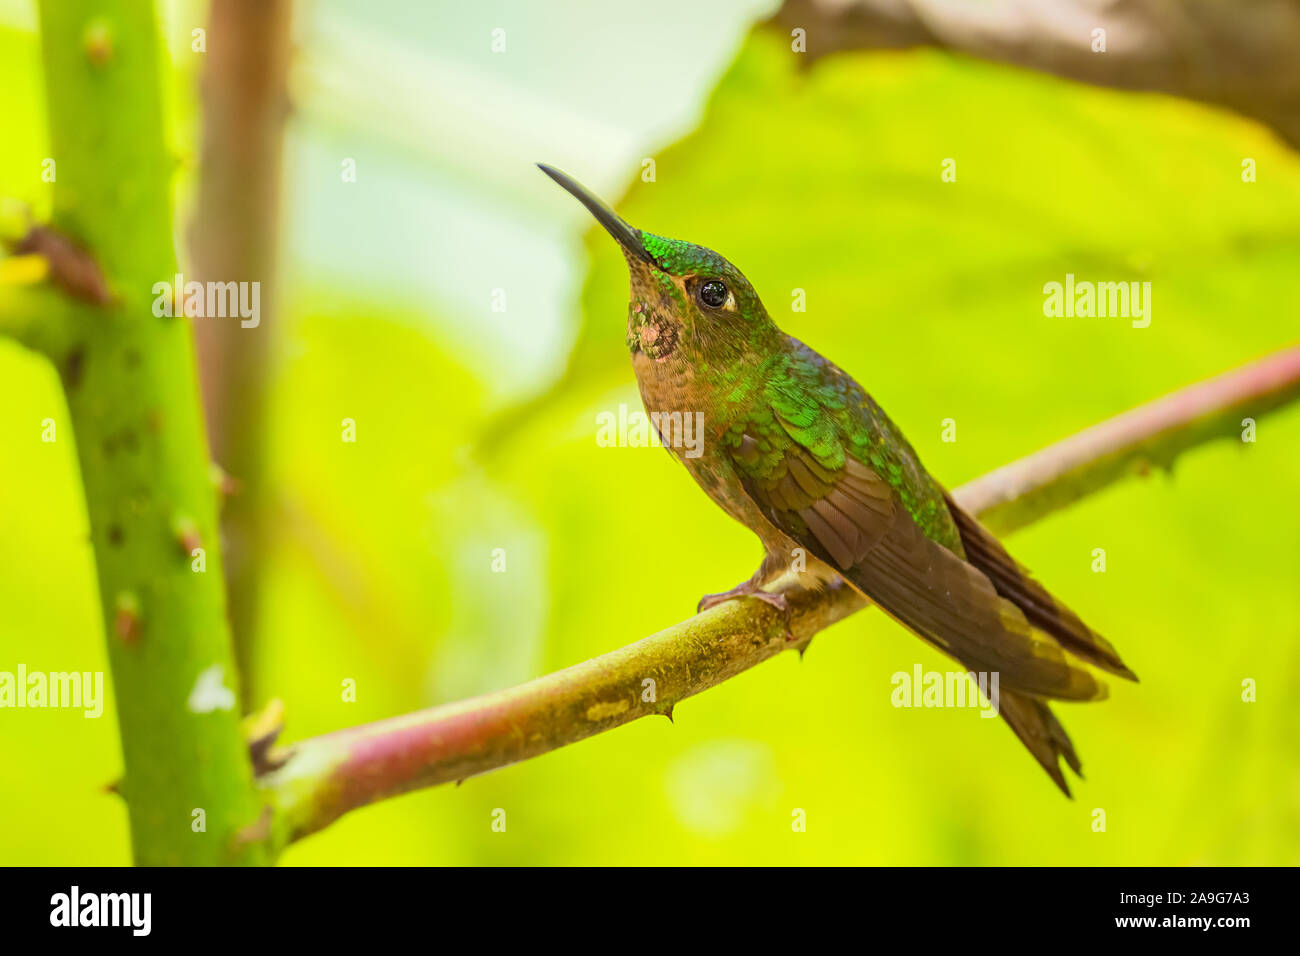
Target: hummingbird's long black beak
x,y
625,235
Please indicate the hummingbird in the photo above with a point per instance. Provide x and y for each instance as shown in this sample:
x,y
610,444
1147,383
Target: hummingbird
x,y
797,451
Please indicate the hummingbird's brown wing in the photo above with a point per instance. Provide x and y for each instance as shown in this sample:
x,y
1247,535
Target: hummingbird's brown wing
x,y
856,522
1014,582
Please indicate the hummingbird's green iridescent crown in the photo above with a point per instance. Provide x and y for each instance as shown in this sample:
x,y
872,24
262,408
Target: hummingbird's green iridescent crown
x,y
678,257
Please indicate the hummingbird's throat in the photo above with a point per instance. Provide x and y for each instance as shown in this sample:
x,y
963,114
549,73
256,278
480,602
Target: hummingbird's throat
x,y
650,332
658,301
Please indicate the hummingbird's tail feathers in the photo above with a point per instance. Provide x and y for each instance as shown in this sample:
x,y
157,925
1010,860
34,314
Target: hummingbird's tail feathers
x,y
953,605
1044,612
1042,734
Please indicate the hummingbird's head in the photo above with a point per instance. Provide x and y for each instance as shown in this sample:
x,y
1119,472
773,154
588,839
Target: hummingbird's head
x,y
687,302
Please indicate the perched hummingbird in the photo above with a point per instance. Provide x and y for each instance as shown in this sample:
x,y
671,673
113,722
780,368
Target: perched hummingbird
x,y
797,451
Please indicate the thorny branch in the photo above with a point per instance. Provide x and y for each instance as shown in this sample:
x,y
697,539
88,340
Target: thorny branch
x,y
321,778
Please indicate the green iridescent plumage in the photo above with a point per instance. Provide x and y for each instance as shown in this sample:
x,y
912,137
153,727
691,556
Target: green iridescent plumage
x,y
677,257
819,408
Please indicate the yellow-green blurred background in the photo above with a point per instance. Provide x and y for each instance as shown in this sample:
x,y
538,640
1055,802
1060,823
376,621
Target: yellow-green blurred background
x,y
930,293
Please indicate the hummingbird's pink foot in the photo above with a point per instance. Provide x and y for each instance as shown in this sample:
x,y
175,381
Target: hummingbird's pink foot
x,y
750,589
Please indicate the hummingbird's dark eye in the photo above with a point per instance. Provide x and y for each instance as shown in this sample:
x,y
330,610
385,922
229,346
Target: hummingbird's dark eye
x,y
713,294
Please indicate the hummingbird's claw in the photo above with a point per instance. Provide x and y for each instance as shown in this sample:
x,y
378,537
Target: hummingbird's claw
x,y
750,589
743,589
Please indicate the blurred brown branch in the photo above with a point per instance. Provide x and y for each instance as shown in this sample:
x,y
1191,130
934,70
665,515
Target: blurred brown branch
x,y
1243,56
320,779
233,236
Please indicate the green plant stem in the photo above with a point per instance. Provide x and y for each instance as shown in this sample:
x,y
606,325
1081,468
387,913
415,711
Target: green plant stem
x,y
130,383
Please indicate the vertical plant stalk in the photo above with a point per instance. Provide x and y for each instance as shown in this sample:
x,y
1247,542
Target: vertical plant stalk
x,y
130,383
232,238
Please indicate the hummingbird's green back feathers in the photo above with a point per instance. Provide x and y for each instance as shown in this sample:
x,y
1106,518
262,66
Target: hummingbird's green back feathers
x,y
810,406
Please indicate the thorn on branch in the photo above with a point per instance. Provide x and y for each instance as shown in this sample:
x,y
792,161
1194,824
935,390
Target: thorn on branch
x,y
261,731
255,832
73,269
225,485
97,41
126,618
187,535
73,366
